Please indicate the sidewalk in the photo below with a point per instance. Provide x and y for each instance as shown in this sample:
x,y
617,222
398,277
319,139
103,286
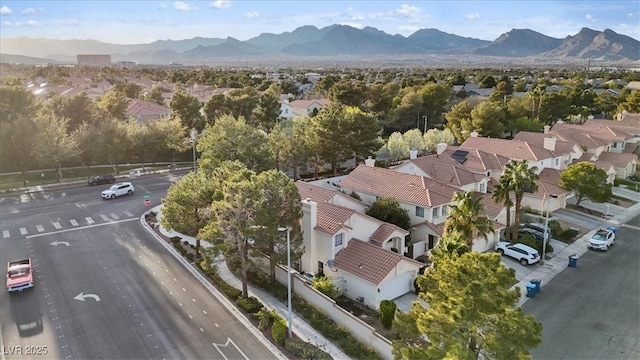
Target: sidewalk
x,y
300,328
560,261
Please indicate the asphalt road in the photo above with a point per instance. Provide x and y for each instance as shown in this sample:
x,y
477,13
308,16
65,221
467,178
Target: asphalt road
x,y
106,289
593,311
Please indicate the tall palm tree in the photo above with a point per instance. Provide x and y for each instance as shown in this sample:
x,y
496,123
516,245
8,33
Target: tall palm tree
x,y
522,178
466,218
502,195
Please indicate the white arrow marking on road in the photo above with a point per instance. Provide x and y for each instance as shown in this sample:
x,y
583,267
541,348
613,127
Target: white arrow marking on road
x,y
73,222
218,346
5,233
56,243
23,231
82,296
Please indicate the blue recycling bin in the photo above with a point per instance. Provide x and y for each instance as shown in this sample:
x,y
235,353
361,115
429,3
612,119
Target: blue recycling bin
x,y
573,260
531,290
537,283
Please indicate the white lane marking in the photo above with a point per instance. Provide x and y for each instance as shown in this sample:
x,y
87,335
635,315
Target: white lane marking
x,y
40,228
23,231
5,234
80,228
104,217
56,225
73,222
128,213
115,216
89,220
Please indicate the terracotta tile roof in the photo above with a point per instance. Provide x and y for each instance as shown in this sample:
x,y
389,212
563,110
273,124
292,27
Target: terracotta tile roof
x,y
357,257
512,149
490,208
437,228
382,233
445,169
478,160
546,188
314,192
597,130
618,159
406,188
550,175
306,103
629,125
332,218
141,107
537,139
580,138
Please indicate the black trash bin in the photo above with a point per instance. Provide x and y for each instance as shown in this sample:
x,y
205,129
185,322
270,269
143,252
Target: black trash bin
x,y
531,290
573,260
537,283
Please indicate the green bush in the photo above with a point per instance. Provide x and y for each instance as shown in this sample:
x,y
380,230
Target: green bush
x,y
266,318
232,292
190,256
529,240
251,305
567,234
387,312
326,286
175,239
556,228
279,331
306,350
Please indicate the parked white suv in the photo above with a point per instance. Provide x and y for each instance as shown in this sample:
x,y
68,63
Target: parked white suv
x,y
119,189
521,252
602,239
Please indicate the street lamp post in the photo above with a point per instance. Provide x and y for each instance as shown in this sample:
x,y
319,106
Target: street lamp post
x,y
546,227
288,230
194,134
425,124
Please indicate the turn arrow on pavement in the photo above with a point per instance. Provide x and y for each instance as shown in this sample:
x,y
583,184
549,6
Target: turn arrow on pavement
x,y
82,296
56,243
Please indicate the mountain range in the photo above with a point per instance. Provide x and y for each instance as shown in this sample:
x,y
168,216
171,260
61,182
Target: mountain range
x,y
308,43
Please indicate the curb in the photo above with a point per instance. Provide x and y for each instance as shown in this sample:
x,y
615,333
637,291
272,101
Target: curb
x,y
214,291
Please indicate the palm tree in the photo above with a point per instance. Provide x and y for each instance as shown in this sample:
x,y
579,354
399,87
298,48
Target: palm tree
x,y
465,218
522,178
502,195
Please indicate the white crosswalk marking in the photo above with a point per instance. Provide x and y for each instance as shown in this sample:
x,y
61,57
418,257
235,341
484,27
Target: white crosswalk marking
x,y
73,222
114,216
104,217
40,228
56,225
89,220
128,213
5,233
23,231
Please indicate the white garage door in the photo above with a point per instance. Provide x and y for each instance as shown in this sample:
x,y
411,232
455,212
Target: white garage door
x,y
397,286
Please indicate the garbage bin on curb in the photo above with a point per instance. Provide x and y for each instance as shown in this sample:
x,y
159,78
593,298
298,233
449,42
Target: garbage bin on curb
x,y
573,260
537,283
531,290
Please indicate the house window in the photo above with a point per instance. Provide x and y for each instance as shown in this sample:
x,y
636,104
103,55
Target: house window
x,y
482,187
419,211
338,239
557,161
614,145
445,210
436,212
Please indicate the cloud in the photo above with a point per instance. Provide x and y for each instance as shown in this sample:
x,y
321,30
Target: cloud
x,y
183,6
252,15
632,15
407,10
5,10
591,18
6,23
221,4
32,11
474,16
28,23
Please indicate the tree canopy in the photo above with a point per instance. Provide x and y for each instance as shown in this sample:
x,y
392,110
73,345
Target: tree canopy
x,y
388,210
587,182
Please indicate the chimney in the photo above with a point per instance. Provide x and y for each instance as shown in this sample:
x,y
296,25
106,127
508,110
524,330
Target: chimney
x,y
546,129
308,223
370,162
550,143
474,133
413,154
440,148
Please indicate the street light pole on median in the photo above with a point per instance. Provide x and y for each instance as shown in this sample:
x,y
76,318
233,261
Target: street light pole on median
x,y
288,230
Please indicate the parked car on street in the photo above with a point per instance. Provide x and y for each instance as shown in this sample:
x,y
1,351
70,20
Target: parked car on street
x,y
602,239
119,189
521,252
101,180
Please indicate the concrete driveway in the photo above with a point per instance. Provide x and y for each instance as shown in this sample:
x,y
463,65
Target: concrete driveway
x,y
521,270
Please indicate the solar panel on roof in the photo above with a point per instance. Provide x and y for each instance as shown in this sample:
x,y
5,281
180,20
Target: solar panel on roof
x,y
460,156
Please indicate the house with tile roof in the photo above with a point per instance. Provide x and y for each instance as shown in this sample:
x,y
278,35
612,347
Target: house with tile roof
x,y
425,200
301,108
363,255
145,111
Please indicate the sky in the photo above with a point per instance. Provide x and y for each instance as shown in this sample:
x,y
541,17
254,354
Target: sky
x,y
135,22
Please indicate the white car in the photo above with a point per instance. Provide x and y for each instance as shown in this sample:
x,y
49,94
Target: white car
x,y
521,252
602,239
119,189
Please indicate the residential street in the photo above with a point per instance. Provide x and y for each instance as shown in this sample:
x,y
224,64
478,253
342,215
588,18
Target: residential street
x,y
592,311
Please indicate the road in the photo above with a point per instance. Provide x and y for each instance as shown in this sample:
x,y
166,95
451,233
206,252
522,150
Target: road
x,y
593,311
104,287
